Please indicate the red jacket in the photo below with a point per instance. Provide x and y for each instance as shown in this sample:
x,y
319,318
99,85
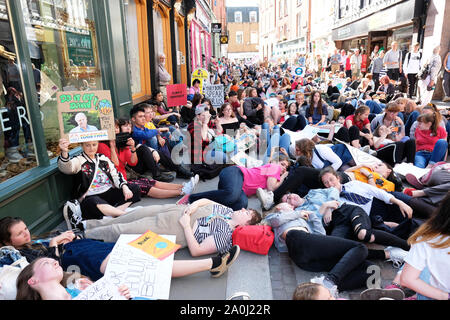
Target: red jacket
x,y
124,157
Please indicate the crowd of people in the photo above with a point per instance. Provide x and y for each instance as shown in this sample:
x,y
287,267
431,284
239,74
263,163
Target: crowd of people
x,y
322,204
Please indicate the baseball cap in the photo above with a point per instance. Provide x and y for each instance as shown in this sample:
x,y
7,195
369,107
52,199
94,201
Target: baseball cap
x,y
201,108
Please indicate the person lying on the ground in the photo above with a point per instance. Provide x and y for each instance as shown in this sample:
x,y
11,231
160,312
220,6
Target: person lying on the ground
x,y
204,226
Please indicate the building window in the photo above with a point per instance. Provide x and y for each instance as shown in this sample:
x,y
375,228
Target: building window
x,y
253,16
239,37
254,37
299,24
238,17
63,48
137,45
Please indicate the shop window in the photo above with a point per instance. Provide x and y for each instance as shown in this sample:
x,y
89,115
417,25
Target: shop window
x,y
239,37
64,51
17,153
137,44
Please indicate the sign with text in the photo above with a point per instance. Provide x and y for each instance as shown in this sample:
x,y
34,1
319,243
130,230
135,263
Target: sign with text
x,y
202,75
102,289
216,28
85,116
176,95
146,276
215,93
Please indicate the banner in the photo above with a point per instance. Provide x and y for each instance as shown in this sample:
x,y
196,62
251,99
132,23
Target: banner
x,y
202,75
176,95
215,93
145,276
85,116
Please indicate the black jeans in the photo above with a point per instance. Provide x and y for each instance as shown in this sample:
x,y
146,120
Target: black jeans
x,y
344,260
351,134
300,176
412,81
393,74
295,123
348,220
145,161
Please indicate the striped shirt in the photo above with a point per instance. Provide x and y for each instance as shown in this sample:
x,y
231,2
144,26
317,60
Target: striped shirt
x,y
216,225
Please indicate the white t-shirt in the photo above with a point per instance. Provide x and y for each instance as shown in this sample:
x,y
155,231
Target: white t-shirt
x,y
414,63
437,261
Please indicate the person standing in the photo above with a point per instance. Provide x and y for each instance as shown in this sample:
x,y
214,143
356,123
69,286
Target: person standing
x,y
374,53
343,59
446,80
428,85
164,77
392,60
356,61
212,69
377,66
411,67
335,61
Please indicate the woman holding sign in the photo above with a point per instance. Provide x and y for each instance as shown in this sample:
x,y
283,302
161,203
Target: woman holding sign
x,y
100,188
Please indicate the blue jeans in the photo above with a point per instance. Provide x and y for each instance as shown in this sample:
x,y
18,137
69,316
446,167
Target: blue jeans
x,y
424,158
229,193
342,151
216,156
275,140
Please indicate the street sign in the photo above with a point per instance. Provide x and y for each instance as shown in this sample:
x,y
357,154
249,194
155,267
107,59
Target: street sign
x,y
216,28
223,39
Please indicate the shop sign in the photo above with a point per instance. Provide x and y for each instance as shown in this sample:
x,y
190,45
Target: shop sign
x,y
202,75
216,28
85,116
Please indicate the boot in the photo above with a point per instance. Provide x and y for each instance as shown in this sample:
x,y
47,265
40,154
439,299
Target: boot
x,y
183,173
13,155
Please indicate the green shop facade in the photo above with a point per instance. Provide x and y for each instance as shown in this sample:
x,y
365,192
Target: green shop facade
x,y
48,46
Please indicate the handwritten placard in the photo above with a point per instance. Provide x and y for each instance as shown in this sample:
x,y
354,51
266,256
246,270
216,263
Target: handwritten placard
x,y
176,95
155,245
85,116
102,289
202,75
146,276
215,93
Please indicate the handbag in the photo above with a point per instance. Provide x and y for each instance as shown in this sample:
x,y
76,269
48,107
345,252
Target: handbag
x,y
8,278
257,239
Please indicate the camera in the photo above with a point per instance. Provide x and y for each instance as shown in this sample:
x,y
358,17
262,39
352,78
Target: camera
x,y
122,139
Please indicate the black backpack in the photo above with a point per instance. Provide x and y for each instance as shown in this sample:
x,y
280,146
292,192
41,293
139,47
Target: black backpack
x,y
207,171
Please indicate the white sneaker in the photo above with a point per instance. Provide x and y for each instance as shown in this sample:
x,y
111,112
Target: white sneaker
x,y
265,197
397,256
189,187
194,181
365,149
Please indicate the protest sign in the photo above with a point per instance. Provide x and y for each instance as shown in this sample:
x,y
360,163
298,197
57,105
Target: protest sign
x,y
146,276
155,245
361,157
404,168
85,116
202,75
176,95
340,84
298,71
215,93
102,289
272,102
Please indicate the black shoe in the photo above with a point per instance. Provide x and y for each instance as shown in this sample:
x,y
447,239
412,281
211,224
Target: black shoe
x,y
163,177
227,260
72,215
183,173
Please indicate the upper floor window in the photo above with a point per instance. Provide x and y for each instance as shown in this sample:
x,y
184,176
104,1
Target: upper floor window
x,y
253,16
238,17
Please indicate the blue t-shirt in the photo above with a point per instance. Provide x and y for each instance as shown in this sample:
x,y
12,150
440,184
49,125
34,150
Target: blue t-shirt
x,y
315,115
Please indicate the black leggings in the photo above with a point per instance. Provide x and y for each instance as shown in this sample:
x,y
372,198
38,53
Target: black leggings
x,y
145,161
394,153
351,134
348,221
344,260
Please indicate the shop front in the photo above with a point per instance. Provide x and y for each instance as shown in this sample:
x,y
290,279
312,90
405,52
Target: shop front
x,y
47,47
379,29
201,46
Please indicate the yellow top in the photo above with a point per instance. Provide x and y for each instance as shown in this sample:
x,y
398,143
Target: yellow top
x,y
380,181
150,125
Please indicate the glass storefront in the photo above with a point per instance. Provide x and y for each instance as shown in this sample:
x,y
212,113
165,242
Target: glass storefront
x,y
62,42
133,46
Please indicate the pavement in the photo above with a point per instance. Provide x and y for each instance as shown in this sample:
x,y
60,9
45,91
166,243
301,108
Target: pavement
x,y
270,277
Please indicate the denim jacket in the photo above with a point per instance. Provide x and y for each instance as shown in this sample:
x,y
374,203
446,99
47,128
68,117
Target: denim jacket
x,y
9,255
282,221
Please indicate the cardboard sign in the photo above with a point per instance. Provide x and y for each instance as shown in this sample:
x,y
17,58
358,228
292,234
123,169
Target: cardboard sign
x,y
102,289
341,84
85,116
202,75
215,93
176,95
155,245
145,276
244,160
404,168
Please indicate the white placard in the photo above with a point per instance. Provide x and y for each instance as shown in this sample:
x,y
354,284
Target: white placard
x,y
215,93
244,160
146,276
361,157
102,289
405,168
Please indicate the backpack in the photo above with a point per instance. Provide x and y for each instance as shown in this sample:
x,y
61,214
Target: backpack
x,y
257,239
207,171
